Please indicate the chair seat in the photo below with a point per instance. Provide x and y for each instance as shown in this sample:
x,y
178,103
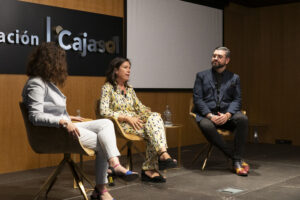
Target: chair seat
x,y
122,134
132,137
224,132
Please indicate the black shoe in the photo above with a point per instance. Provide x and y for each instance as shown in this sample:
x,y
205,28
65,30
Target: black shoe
x,y
166,164
155,179
128,176
98,195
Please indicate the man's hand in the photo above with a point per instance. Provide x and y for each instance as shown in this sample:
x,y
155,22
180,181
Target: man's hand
x,y
221,118
215,119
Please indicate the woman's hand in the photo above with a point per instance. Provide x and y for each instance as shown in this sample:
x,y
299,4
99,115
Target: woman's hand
x,y
70,127
135,122
74,118
148,110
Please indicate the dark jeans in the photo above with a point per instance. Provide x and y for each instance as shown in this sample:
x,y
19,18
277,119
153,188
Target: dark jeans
x,y
238,124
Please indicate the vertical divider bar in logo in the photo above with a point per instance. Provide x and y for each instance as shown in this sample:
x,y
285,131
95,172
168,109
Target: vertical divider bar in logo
x,y
48,25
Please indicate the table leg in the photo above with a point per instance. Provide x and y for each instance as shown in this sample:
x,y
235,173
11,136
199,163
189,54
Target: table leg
x,y
179,147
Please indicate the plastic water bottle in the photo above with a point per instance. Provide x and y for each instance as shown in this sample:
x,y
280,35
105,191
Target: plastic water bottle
x,y
167,116
78,112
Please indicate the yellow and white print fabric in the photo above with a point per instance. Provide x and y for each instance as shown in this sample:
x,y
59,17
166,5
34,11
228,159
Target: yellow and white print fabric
x,y
113,103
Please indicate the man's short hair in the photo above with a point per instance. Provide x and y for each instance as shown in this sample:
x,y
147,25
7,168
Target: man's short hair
x,y
227,51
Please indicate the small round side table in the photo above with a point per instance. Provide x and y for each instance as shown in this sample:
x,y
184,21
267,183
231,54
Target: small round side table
x,y
178,127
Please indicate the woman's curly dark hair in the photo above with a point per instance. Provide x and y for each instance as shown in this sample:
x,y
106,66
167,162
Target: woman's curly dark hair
x,y
48,61
111,71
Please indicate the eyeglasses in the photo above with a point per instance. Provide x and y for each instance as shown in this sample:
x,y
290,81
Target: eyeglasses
x,y
217,56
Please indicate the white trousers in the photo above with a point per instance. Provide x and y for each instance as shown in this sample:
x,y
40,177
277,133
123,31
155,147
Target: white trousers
x,y
99,135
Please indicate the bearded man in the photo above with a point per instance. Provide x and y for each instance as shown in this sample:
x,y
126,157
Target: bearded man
x,y
217,104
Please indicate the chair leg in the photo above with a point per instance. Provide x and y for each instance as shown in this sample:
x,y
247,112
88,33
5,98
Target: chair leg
x,y
81,166
137,150
207,155
129,156
200,153
82,174
123,147
51,179
77,178
50,187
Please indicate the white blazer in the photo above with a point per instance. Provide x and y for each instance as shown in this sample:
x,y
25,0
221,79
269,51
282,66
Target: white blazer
x,y
46,104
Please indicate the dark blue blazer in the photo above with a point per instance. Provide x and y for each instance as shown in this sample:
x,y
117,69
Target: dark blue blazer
x,y
205,93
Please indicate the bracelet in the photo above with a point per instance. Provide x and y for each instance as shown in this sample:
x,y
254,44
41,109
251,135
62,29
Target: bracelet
x,y
228,116
65,124
209,116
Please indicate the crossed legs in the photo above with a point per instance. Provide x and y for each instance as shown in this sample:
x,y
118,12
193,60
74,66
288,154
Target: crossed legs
x,y
238,124
100,136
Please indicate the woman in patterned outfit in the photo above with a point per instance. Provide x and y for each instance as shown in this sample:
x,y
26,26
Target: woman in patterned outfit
x,y
119,100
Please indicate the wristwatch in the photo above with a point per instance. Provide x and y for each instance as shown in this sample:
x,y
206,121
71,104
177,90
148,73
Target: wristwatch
x,y
210,115
228,118
65,124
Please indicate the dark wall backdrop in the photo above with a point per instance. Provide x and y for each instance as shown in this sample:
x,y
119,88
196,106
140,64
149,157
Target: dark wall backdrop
x,y
32,18
265,46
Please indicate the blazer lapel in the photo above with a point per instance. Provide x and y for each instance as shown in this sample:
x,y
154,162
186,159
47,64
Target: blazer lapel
x,y
212,83
57,90
224,84
211,79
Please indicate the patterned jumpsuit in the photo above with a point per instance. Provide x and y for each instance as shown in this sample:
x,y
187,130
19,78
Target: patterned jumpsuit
x,y
113,104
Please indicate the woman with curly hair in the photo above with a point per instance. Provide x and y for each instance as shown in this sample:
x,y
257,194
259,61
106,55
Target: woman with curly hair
x,y
46,104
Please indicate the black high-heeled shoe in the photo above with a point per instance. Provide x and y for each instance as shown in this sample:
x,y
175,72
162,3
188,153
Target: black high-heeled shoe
x,y
98,197
155,179
166,164
128,176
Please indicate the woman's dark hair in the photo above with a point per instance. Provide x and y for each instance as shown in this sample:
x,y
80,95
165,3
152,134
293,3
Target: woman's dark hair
x,y
48,61
111,71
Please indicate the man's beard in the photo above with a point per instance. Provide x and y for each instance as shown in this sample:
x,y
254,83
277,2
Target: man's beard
x,y
218,66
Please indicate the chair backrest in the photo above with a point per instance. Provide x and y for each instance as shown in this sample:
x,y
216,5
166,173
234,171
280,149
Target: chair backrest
x,y
191,107
119,131
51,140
